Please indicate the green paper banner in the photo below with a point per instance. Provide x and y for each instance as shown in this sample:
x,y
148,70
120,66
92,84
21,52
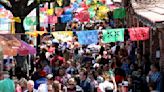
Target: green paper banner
x,y
91,12
113,35
30,21
119,13
88,2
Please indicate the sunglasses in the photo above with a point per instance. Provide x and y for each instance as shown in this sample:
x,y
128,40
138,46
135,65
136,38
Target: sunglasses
x,y
71,84
49,90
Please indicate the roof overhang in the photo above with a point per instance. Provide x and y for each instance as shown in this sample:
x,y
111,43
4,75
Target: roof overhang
x,y
152,15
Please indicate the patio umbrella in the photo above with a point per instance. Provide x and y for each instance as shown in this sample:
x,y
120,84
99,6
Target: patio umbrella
x,y
12,46
9,51
25,49
9,40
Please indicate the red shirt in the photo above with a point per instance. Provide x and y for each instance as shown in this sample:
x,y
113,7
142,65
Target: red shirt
x,y
51,50
55,58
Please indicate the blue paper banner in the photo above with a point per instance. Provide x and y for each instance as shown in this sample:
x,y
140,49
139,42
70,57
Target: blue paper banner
x,y
68,11
5,24
66,18
88,37
76,5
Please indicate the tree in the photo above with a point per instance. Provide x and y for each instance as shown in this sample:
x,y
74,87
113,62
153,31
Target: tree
x,y
21,8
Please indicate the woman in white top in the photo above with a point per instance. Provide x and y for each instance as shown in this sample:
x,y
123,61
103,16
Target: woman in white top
x,y
106,86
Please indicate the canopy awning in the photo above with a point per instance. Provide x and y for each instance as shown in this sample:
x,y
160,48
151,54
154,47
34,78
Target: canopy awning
x,y
25,49
12,46
152,13
9,40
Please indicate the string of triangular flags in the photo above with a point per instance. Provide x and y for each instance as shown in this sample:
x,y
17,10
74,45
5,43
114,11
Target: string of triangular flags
x,y
86,37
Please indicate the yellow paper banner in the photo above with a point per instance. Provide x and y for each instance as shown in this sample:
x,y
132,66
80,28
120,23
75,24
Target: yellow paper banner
x,y
17,19
103,9
35,33
60,2
50,11
63,35
102,12
95,1
41,32
72,1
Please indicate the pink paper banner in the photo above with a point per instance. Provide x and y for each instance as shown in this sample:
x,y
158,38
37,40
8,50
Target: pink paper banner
x,y
52,19
58,11
139,33
83,16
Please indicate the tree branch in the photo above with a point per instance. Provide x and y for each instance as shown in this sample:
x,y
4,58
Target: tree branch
x,y
33,5
12,2
29,8
24,2
5,5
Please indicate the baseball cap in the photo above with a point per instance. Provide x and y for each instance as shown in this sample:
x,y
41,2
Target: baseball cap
x,y
49,76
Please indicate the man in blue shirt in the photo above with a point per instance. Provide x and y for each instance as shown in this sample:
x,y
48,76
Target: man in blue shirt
x,y
84,83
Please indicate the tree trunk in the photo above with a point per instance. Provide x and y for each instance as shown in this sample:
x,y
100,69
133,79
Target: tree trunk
x,y
19,28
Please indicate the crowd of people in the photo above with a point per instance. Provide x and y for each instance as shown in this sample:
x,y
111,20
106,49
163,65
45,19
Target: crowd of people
x,y
71,67
114,67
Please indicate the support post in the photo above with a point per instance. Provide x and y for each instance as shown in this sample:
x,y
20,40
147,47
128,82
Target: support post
x,y
49,25
161,37
38,27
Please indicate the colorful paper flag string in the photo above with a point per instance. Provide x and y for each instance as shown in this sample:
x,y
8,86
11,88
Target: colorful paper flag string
x,y
17,19
66,18
139,33
50,11
119,13
52,19
63,35
87,37
113,35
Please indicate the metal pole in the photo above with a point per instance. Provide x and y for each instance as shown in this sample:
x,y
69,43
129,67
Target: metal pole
x,y
28,65
38,26
27,62
1,58
49,25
